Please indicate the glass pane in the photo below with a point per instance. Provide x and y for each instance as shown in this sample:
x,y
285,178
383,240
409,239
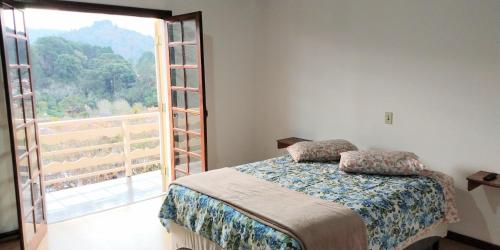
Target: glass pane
x,y
28,109
25,80
194,144
178,99
23,51
9,20
180,161
21,142
19,22
26,86
175,54
24,174
11,50
174,32
179,120
14,82
37,190
39,217
180,140
193,100
192,78
194,122
31,136
190,53
177,76
25,74
189,30
29,228
33,162
27,200
17,111
194,165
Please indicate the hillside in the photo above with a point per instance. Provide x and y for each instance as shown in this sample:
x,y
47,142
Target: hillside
x,y
127,43
79,80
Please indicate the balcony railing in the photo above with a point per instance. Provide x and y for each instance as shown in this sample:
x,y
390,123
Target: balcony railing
x,y
85,151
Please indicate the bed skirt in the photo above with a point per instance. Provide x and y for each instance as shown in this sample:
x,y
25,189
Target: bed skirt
x,y
183,238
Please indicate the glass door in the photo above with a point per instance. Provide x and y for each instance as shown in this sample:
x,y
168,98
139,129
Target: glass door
x,y
23,126
186,91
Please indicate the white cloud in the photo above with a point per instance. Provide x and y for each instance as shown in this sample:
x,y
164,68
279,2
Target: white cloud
x,y
66,20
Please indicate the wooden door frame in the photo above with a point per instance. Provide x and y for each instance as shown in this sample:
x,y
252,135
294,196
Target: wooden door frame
x,y
65,6
162,92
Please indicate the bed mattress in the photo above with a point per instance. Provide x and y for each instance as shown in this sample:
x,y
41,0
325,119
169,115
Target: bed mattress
x,y
396,210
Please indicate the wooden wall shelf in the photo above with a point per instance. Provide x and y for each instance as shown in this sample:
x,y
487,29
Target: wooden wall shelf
x,y
285,142
476,180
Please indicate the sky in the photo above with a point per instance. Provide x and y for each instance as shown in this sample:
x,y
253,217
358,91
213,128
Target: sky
x,y
65,20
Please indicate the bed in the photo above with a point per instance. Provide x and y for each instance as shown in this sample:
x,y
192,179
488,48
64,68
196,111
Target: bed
x,y
396,210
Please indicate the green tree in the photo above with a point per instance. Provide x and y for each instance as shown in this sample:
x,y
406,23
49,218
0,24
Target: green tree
x,y
67,66
73,79
146,71
74,106
49,49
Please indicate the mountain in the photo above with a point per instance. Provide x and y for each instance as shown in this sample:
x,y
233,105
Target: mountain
x,y
127,43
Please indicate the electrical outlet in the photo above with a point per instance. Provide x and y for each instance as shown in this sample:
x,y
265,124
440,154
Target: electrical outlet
x,y
388,117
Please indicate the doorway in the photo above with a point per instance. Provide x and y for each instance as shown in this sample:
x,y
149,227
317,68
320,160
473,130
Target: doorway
x,y
97,108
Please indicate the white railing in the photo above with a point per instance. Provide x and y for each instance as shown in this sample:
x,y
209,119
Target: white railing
x,y
84,151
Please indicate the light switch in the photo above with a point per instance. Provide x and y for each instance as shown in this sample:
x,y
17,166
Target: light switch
x,y
388,117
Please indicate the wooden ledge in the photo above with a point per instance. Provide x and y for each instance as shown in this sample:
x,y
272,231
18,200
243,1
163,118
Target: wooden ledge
x,y
476,180
285,142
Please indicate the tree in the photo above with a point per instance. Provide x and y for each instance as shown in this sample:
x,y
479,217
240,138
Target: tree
x,y
49,49
74,79
146,70
74,106
67,66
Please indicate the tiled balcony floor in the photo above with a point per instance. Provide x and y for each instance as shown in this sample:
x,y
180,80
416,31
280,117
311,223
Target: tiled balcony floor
x,y
75,202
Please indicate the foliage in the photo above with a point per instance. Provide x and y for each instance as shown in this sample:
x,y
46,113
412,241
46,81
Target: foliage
x,y
78,80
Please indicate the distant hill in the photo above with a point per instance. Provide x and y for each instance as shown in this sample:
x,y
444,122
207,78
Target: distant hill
x,y
127,43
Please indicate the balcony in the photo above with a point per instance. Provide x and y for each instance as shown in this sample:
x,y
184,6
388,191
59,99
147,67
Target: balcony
x,y
99,163
78,201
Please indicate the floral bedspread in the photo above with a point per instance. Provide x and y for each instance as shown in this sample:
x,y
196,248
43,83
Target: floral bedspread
x,y
393,208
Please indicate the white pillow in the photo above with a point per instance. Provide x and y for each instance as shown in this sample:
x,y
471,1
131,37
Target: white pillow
x,y
380,162
322,151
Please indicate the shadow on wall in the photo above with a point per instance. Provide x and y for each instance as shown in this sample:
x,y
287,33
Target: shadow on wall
x,y
208,50
475,206
493,198
272,126
470,216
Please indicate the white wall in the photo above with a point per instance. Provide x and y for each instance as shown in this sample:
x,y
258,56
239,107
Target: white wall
x,y
330,69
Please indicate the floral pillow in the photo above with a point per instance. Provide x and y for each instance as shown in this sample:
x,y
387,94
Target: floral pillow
x,y
320,151
381,162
